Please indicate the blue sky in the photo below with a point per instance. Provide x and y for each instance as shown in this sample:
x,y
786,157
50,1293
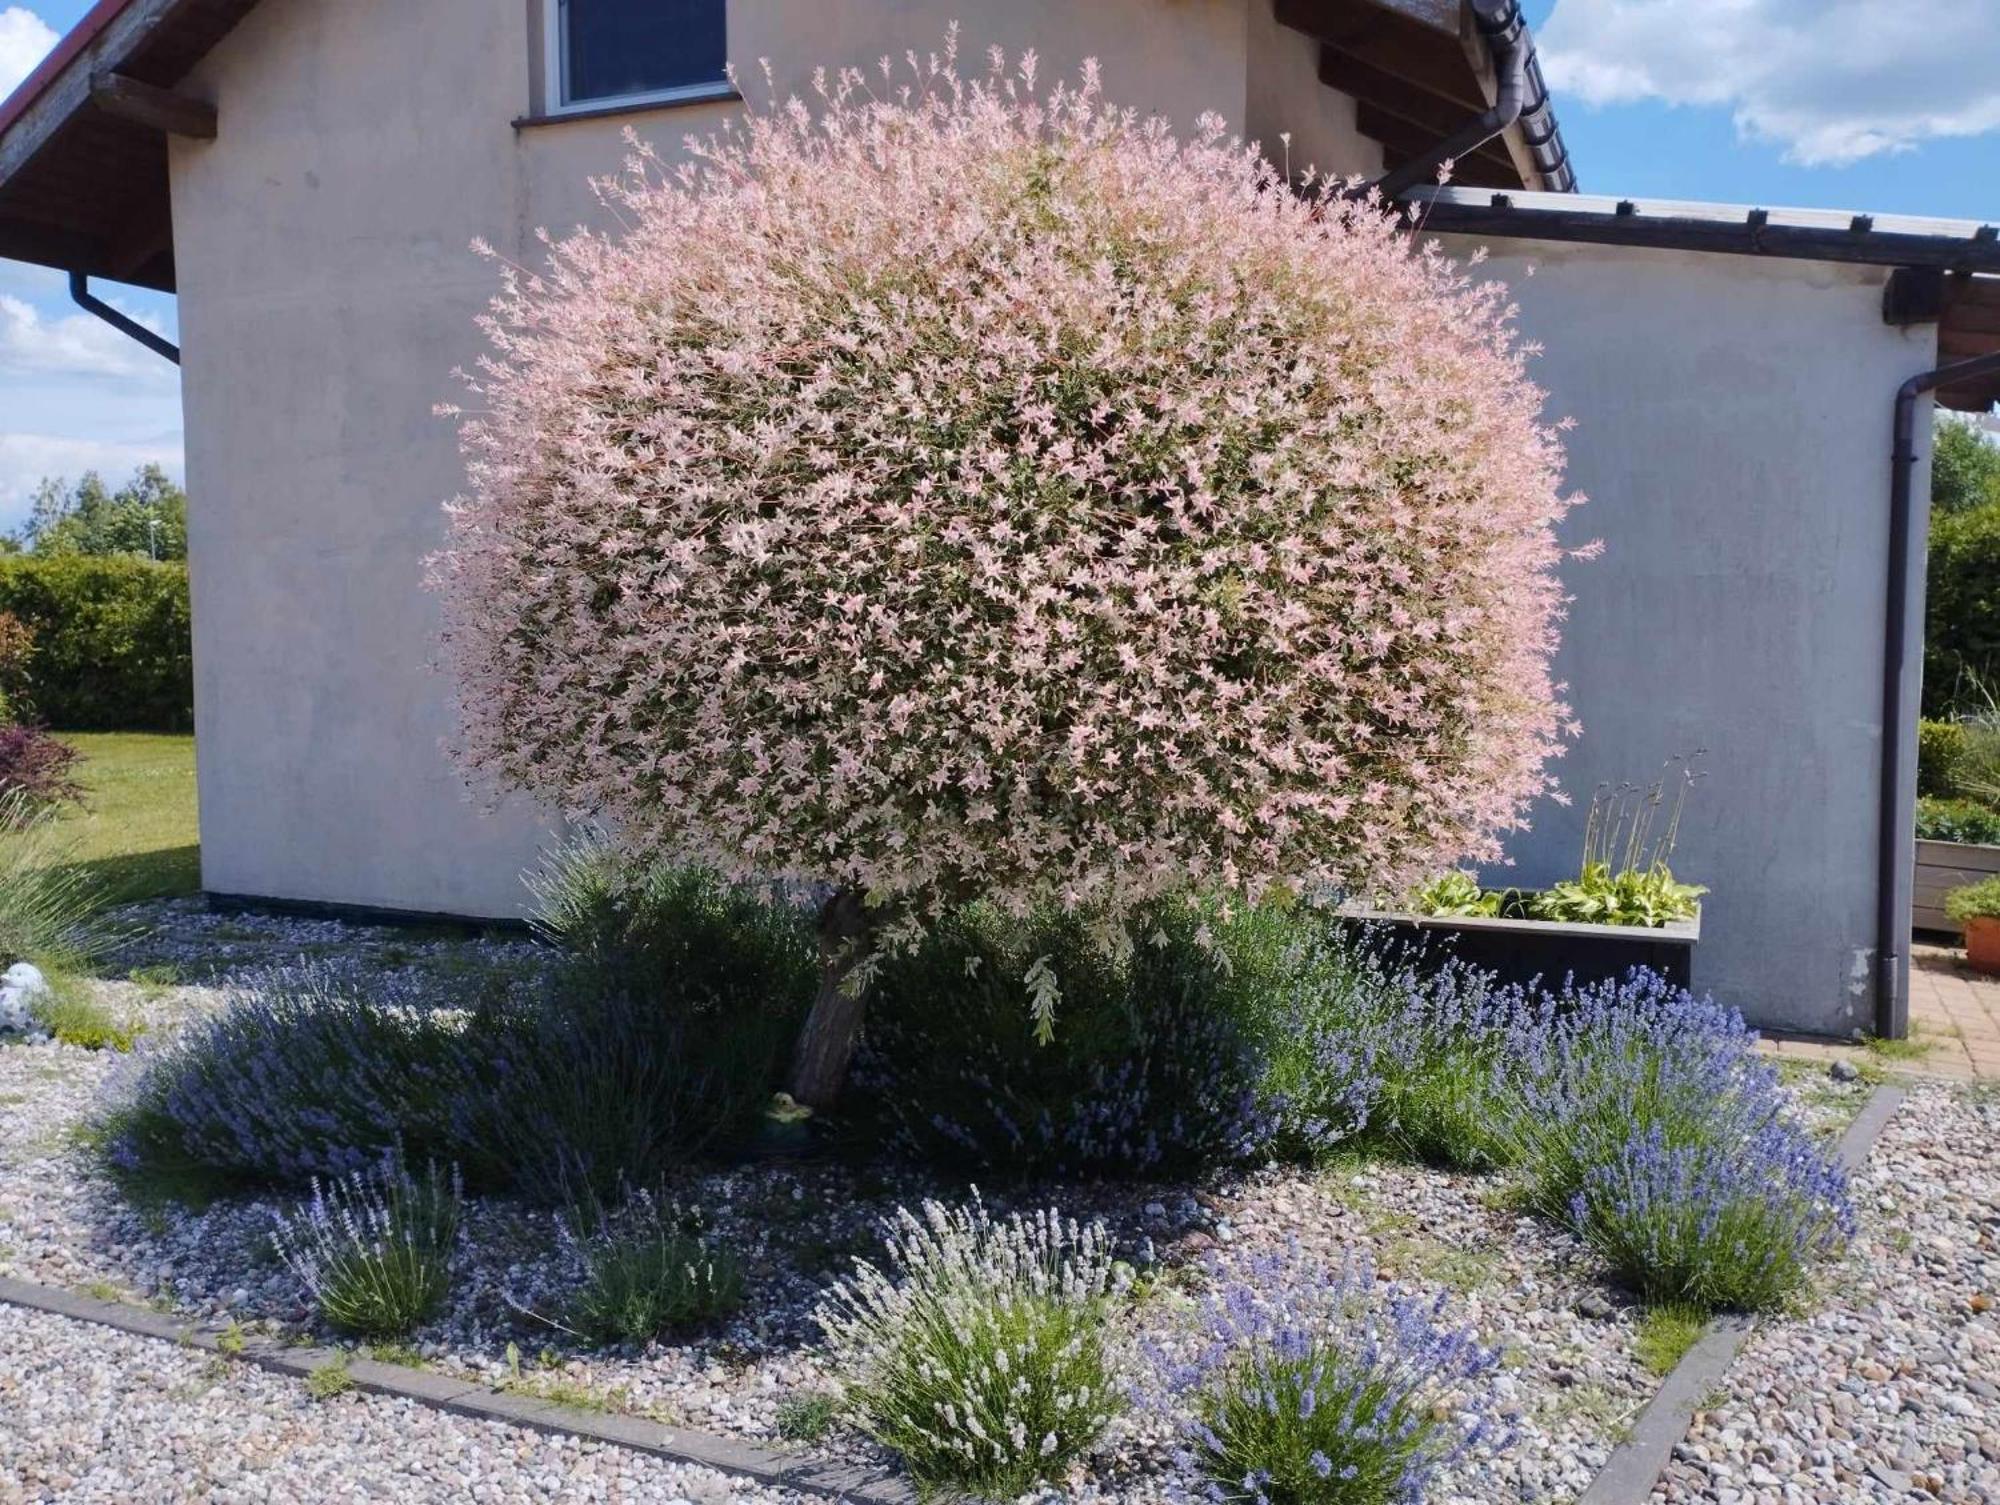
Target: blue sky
x,y
1891,106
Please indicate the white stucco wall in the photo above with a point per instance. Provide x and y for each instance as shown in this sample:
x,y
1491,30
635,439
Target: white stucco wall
x,y
1733,428
326,293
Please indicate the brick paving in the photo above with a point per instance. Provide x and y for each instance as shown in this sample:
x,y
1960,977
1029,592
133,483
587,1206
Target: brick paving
x,y
1956,1011
1954,1024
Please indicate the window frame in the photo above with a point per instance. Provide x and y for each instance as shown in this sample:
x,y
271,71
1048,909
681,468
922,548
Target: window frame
x,y
555,76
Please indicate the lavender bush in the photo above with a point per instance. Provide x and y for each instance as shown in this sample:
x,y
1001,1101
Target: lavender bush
x,y
980,1355
373,1248
1447,1066
1645,1120
1319,1387
1602,1065
642,1272
299,1075
1718,1223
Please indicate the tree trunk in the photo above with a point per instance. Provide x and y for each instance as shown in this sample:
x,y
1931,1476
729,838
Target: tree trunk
x,y
826,1044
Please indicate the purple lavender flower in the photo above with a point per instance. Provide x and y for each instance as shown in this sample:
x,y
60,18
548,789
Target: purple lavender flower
x,y
1321,1387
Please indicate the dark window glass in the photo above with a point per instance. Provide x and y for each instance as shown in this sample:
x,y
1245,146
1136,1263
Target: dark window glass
x,y
614,47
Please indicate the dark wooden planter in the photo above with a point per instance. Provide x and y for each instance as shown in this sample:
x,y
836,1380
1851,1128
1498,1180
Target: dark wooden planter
x,y
1941,867
1524,950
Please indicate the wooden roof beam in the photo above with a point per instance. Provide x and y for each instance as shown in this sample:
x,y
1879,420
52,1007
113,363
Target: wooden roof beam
x,y
1405,141
1392,43
155,108
1406,101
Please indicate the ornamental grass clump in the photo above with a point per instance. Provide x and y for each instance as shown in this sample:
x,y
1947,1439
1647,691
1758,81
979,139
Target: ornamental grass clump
x,y
1320,1387
980,1354
374,1248
643,1273
969,490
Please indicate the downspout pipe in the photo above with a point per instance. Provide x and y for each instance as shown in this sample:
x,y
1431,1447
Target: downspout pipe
x,y
79,291
1506,33
1900,679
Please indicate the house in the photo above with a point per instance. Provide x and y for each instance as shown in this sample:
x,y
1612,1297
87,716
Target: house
x,y
307,176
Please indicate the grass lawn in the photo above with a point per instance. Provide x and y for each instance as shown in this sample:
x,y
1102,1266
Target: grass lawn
x,y
136,833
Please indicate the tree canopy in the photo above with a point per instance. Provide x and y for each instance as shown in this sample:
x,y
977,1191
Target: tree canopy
x,y
146,516
965,490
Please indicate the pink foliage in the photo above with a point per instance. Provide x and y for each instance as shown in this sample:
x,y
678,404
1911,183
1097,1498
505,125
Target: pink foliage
x,y
964,490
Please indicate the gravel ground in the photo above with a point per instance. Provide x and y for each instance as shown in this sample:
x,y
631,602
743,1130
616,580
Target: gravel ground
x,y
1889,1388
1569,1377
88,1414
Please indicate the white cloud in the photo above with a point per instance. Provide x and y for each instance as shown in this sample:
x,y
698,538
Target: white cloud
x,y
25,39
26,458
78,344
1831,83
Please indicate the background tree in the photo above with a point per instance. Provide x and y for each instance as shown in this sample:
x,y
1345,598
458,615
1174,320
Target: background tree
x,y
1965,466
146,516
970,493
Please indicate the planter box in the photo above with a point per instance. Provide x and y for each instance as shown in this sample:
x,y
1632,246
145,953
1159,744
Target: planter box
x,y
1941,867
1522,950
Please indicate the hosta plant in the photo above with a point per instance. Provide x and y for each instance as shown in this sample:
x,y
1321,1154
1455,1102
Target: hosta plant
x,y
374,1248
971,489
1313,1386
1628,835
979,1352
1454,893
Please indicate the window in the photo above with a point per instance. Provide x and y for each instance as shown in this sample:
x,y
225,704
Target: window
x,y
633,51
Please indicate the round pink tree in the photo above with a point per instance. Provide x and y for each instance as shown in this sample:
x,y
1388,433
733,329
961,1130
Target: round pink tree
x,y
964,491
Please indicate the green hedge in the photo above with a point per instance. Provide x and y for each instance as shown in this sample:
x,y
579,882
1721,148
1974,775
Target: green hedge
x,y
112,648
1962,631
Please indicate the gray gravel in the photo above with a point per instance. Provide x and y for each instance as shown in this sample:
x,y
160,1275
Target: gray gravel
x,y
1569,1377
88,1414
1888,1389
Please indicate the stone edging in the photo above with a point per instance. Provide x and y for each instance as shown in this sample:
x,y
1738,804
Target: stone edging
x,y
443,1393
1635,1466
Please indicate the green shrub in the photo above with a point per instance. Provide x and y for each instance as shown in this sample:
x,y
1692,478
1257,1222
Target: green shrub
x,y
674,934
1957,820
1147,1067
374,1249
642,1274
587,1088
1941,749
1962,611
111,634
1975,901
979,1354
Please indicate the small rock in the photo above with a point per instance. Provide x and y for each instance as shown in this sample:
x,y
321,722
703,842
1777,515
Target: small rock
x,y
1844,1071
1592,1304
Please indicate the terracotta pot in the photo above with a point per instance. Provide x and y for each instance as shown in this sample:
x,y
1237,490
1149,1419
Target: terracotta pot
x,y
1982,943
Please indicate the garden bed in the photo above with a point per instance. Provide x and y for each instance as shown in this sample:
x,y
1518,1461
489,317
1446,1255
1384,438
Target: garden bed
x,y
1941,867
1527,951
1571,1377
